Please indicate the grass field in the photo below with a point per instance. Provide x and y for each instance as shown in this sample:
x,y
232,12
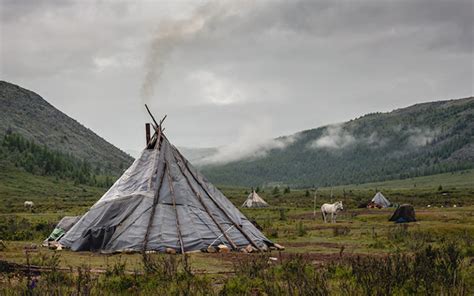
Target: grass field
x,y
328,251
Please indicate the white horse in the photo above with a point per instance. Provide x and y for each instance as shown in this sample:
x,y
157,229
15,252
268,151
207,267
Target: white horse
x,y
331,209
29,205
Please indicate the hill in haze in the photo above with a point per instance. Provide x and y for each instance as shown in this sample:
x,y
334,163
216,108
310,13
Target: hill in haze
x,y
25,113
419,140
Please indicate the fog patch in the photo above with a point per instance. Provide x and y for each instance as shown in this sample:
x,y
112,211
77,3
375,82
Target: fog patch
x,y
419,137
253,142
334,137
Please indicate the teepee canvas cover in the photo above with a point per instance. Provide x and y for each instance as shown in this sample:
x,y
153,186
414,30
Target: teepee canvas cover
x,y
62,227
161,202
380,200
403,214
254,201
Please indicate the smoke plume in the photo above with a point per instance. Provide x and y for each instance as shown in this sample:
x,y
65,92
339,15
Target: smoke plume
x,y
173,33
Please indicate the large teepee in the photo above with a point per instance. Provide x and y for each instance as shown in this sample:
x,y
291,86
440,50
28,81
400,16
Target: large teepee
x,y
254,201
162,203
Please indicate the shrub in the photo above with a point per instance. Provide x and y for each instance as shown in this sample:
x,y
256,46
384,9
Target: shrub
x,y
301,229
398,233
341,231
282,214
429,271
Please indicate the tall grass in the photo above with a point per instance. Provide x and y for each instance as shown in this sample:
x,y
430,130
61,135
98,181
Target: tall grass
x,y
441,270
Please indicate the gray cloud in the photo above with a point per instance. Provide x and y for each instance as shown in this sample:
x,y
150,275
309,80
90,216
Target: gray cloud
x,y
300,64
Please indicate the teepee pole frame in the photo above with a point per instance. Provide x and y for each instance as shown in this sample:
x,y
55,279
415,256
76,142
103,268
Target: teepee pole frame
x,y
153,209
250,240
174,206
157,127
233,245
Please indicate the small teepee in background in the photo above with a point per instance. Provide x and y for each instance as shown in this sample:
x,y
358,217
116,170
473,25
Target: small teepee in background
x,y
379,201
162,203
254,201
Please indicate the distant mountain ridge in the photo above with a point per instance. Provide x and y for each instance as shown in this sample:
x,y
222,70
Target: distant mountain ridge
x,y
28,114
422,139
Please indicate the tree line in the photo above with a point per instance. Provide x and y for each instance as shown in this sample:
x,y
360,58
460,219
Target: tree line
x,y
40,160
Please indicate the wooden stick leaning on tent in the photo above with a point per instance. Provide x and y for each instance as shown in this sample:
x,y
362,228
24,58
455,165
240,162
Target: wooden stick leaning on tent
x,y
178,228
249,239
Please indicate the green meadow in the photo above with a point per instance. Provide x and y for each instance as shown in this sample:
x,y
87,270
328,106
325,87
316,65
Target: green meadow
x,y
332,254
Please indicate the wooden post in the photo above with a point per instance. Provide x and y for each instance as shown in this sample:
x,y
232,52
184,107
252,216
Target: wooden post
x,y
147,132
314,209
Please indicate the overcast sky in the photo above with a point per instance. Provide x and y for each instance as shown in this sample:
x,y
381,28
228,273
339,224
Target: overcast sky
x,y
222,70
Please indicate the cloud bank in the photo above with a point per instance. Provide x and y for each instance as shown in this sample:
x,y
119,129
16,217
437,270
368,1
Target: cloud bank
x,y
336,137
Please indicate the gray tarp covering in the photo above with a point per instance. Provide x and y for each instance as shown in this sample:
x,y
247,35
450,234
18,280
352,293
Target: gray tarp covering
x,y
380,200
403,214
62,227
67,222
121,219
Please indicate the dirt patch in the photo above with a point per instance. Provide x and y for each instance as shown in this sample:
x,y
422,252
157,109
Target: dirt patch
x,y
315,258
305,244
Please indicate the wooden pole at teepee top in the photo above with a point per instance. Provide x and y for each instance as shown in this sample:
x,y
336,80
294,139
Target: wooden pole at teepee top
x,y
147,133
151,115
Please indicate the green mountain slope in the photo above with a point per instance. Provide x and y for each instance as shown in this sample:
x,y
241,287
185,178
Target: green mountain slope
x,y
26,113
48,193
423,139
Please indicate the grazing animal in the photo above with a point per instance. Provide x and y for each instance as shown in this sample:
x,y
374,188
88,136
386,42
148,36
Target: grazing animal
x,y
29,205
331,209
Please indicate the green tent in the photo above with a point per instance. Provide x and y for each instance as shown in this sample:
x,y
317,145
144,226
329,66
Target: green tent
x,y
62,227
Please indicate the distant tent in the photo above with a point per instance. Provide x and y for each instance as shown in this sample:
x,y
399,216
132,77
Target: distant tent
x,y
162,203
62,227
404,213
254,201
379,201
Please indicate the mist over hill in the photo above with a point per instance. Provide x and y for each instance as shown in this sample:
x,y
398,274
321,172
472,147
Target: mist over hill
x,y
422,139
25,113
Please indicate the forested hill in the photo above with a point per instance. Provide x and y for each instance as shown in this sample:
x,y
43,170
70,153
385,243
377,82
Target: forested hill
x,y
25,113
423,139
